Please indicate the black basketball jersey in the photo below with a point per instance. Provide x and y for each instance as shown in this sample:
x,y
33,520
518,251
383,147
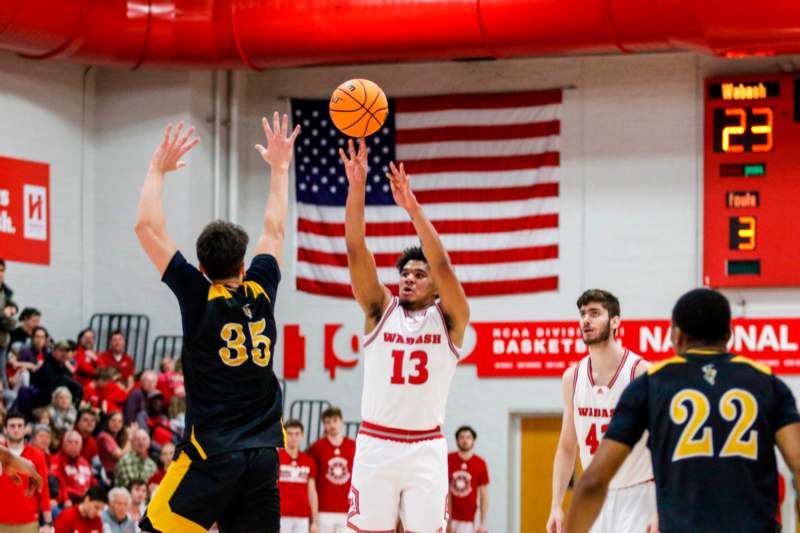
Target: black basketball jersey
x,y
712,419
233,397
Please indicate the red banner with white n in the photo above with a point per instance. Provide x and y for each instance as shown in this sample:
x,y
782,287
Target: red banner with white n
x,y
24,211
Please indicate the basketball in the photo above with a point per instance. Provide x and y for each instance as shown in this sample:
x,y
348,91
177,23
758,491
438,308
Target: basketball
x,y
358,108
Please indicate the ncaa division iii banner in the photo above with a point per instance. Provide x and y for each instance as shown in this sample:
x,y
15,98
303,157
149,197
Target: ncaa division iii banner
x,y
24,211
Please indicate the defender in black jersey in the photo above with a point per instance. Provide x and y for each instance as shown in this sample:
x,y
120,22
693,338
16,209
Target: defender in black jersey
x,y
226,466
714,419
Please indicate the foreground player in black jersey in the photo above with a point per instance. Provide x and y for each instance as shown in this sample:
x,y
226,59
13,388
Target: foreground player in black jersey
x,y
226,466
714,419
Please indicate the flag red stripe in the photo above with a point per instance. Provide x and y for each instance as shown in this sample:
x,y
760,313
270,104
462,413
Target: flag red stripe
x,y
482,257
497,194
473,288
482,164
416,104
385,229
478,133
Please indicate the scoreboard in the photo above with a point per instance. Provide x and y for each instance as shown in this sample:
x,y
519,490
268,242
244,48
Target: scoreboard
x,y
752,181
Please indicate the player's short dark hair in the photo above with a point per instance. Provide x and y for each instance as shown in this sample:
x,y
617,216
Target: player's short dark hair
x,y
29,312
293,423
462,429
15,414
220,249
414,253
609,302
703,315
332,412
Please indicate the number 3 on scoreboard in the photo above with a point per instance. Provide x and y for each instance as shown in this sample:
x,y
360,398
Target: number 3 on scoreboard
x,y
741,441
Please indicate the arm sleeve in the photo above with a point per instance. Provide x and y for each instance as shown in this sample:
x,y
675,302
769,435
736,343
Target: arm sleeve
x,y
785,412
630,417
190,287
265,271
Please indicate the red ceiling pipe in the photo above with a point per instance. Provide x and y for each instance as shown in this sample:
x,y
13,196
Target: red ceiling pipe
x,y
270,33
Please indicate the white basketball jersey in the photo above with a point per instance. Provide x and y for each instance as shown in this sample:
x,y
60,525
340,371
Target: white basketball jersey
x,y
409,362
593,407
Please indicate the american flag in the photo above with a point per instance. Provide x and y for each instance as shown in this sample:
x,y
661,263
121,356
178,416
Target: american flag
x,y
483,166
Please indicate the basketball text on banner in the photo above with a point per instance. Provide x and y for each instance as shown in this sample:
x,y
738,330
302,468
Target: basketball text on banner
x,y
484,166
24,211
525,349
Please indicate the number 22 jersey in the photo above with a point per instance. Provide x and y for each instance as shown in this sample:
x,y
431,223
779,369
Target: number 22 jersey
x,y
233,398
409,363
712,419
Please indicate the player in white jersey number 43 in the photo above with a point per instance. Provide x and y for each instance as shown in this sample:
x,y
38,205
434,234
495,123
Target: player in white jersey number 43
x,y
592,389
410,356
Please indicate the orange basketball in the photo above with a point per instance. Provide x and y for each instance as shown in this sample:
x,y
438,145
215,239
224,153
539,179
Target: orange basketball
x,y
358,108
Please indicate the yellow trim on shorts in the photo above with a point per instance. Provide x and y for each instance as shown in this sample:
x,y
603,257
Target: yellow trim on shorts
x,y
218,290
197,446
666,362
160,513
758,366
256,288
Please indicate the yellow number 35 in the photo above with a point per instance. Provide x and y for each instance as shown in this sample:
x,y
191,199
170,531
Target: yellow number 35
x,y
235,353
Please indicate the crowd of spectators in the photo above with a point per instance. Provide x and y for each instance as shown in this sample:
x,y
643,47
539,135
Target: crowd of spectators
x,y
101,435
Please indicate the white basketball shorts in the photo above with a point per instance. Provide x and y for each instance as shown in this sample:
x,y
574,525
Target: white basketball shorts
x,y
295,525
627,510
460,526
398,473
332,523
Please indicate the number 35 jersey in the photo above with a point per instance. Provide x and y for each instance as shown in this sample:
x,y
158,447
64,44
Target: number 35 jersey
x,y
233,399
712,419
409,363
593,407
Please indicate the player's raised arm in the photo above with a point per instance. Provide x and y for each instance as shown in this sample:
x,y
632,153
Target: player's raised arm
x,y
151,224
566,453
278,154
370,293
451,293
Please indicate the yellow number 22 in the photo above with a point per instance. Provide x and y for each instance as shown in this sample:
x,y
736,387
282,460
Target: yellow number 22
x,y
235,353
741,442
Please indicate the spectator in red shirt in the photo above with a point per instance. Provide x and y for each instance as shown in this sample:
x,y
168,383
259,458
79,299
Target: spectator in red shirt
x,y
115,357
165,459
334,455
469,478
110,392
17,508
296,474
170,382
113,442
137,400
73,471
86,424
85,358
84,516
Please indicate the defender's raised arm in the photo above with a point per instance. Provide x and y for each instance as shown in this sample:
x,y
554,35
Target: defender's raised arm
x,y
278,154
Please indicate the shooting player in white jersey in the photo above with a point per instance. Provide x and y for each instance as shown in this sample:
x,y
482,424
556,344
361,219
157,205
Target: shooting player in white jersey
x,y
411,349
592,389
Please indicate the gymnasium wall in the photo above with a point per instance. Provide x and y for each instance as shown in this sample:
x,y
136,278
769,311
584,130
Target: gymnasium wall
x,y
630,195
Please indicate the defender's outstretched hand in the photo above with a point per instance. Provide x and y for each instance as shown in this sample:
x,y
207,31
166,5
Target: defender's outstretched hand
x,y
356,165
173,147
280,145
401,188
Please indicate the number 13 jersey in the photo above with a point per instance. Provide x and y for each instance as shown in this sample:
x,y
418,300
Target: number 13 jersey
x,y
409,362
593,407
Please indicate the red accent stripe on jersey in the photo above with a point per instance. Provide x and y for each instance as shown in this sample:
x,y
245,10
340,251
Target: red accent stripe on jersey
x,y
619,369
359,530
417,104
575,379
447,333
589,370
380,324
633,369
399,435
